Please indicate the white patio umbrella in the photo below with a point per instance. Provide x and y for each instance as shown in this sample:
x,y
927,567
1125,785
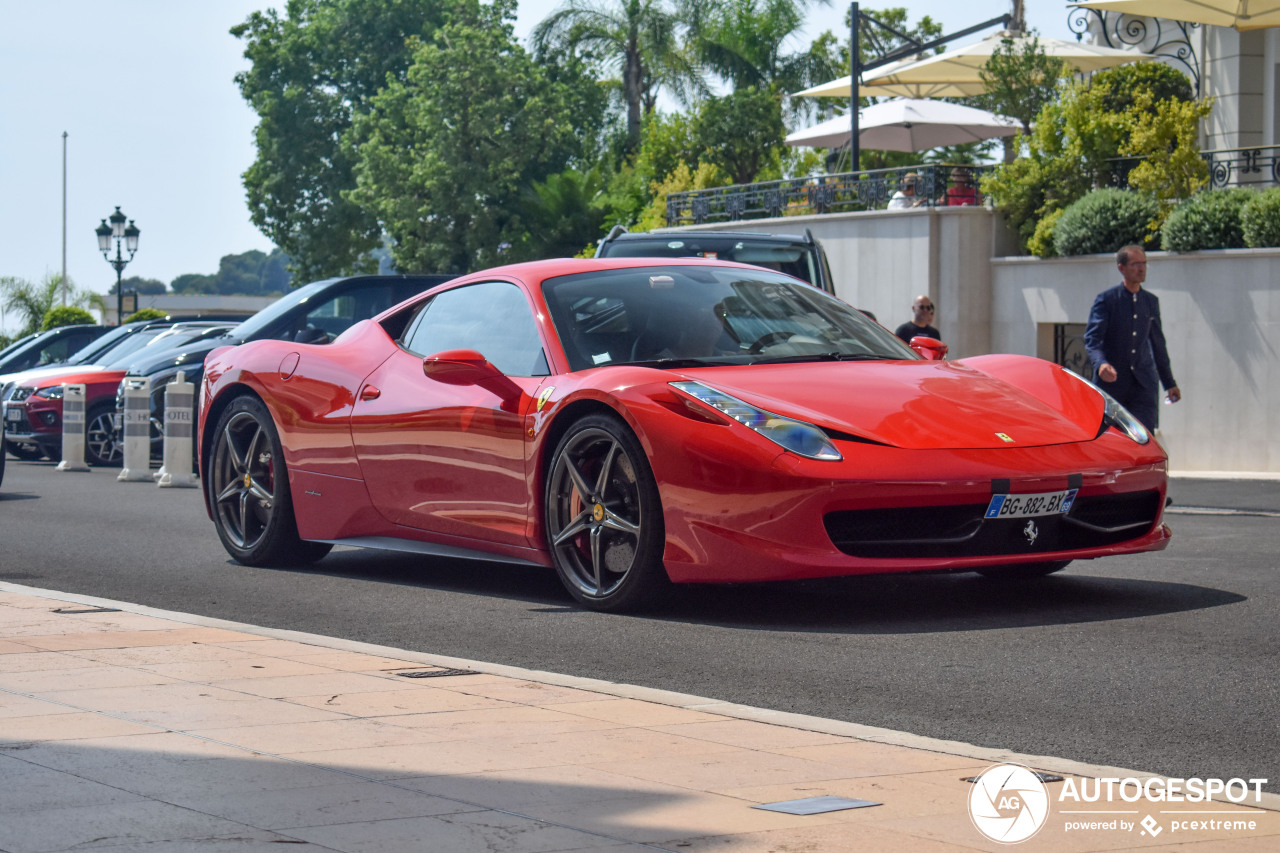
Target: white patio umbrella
x,y
906,124
964,64
1241,14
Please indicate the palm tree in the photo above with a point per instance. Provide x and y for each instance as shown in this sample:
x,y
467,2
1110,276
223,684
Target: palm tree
x,y
638,38
744,41
33,301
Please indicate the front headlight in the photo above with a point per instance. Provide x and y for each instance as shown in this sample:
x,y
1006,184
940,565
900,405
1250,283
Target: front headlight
x,y
51,392
803,439
1116,415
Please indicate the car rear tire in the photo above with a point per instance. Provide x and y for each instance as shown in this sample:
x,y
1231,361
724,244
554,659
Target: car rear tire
x,y
101,446
604,517
1023,571
248,487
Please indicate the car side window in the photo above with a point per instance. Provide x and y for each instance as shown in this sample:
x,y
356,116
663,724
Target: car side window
x,y
492,317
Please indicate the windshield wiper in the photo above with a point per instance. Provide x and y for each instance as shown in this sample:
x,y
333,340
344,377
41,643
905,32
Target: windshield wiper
x,y
677,363
823,356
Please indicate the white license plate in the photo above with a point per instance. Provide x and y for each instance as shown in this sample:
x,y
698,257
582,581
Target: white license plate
x,y
1025,506
13,416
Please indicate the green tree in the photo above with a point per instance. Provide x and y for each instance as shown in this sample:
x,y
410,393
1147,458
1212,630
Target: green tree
x,y
33,301
137,284
314,70
192,282
145,314
65,315
740,132
745,43
564,213
1020,80
446,154
636,39
1097,135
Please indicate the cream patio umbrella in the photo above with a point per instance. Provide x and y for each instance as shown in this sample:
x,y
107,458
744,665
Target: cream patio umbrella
x,y
1241,14
841,88
964,64
904,124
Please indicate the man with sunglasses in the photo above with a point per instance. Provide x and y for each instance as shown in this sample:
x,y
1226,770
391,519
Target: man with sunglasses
x,y
921,323
1125,340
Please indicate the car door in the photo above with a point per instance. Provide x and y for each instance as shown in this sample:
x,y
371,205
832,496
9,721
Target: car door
x,y
452,459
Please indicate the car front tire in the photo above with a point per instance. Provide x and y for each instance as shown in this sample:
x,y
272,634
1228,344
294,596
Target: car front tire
x,y
248,488
604,517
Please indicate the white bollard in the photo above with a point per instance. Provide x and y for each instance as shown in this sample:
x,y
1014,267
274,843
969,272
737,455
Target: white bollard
x,y
72,429
137,430
179,396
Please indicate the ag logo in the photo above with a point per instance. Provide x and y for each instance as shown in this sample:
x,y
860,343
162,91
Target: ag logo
x,y
1008,803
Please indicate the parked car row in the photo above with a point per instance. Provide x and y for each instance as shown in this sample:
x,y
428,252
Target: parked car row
x,y
31,397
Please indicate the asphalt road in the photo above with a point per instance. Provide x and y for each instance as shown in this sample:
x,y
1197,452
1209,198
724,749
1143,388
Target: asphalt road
x,y
1164,662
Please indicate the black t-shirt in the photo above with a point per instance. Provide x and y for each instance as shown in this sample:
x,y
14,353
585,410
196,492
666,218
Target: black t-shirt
x,y
907,331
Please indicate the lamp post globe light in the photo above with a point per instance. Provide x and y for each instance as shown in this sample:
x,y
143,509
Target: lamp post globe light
x,y
121,233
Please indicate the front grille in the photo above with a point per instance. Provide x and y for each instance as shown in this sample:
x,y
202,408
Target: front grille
x,y
961,530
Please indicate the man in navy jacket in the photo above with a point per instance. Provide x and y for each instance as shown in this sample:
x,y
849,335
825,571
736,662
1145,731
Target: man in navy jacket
x,y
1126,342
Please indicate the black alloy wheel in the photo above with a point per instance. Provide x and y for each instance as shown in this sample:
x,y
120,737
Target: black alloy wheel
x,y
102,446
248,486
604,517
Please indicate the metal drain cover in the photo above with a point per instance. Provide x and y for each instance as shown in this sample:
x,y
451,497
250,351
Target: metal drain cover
x,y
816,805
436,673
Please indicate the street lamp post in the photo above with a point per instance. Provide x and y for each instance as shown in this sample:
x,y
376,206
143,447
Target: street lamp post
x,y
118,231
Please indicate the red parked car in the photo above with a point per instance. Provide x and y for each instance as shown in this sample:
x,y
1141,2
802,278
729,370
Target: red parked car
x,y
631,422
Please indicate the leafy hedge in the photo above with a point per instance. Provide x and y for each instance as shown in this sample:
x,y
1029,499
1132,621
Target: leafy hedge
x,y
1207,220
1104,221
65,315
1260,219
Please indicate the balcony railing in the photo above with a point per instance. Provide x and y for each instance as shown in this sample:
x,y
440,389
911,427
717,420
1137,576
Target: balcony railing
x,y
838,193
872,189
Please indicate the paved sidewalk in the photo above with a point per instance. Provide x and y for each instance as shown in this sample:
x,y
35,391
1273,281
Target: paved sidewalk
x,y
124,728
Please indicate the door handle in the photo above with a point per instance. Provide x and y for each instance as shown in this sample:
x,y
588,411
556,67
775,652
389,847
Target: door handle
x,y
369,392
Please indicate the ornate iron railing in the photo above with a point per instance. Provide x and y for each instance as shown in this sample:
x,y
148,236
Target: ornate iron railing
x,y
1228,167
936,184
1169,40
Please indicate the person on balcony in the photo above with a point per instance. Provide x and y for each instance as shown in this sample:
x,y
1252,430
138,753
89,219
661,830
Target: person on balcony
x,y
906,198
961,190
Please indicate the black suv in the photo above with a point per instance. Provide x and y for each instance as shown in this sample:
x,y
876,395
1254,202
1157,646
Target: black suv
x,y
315,313
793,254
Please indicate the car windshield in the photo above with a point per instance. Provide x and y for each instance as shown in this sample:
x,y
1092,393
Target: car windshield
x,y
253,328
790,258
682,316
90,353
159,340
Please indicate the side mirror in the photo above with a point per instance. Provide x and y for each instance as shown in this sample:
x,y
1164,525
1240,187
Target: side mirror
x,y
930,349
468,367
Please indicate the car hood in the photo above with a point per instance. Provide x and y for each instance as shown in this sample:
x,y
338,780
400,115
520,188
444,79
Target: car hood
x,y
996,401
27,377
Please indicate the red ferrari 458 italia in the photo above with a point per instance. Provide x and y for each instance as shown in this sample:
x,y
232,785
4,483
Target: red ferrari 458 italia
x,y
635,422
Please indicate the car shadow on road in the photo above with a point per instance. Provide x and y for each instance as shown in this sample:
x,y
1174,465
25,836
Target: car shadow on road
x,y
878,604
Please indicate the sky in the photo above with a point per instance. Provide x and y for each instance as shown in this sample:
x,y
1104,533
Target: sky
x,y
155,124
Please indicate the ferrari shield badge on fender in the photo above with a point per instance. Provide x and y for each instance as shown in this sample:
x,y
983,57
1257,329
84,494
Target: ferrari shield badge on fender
x,y
545,395
1004,437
